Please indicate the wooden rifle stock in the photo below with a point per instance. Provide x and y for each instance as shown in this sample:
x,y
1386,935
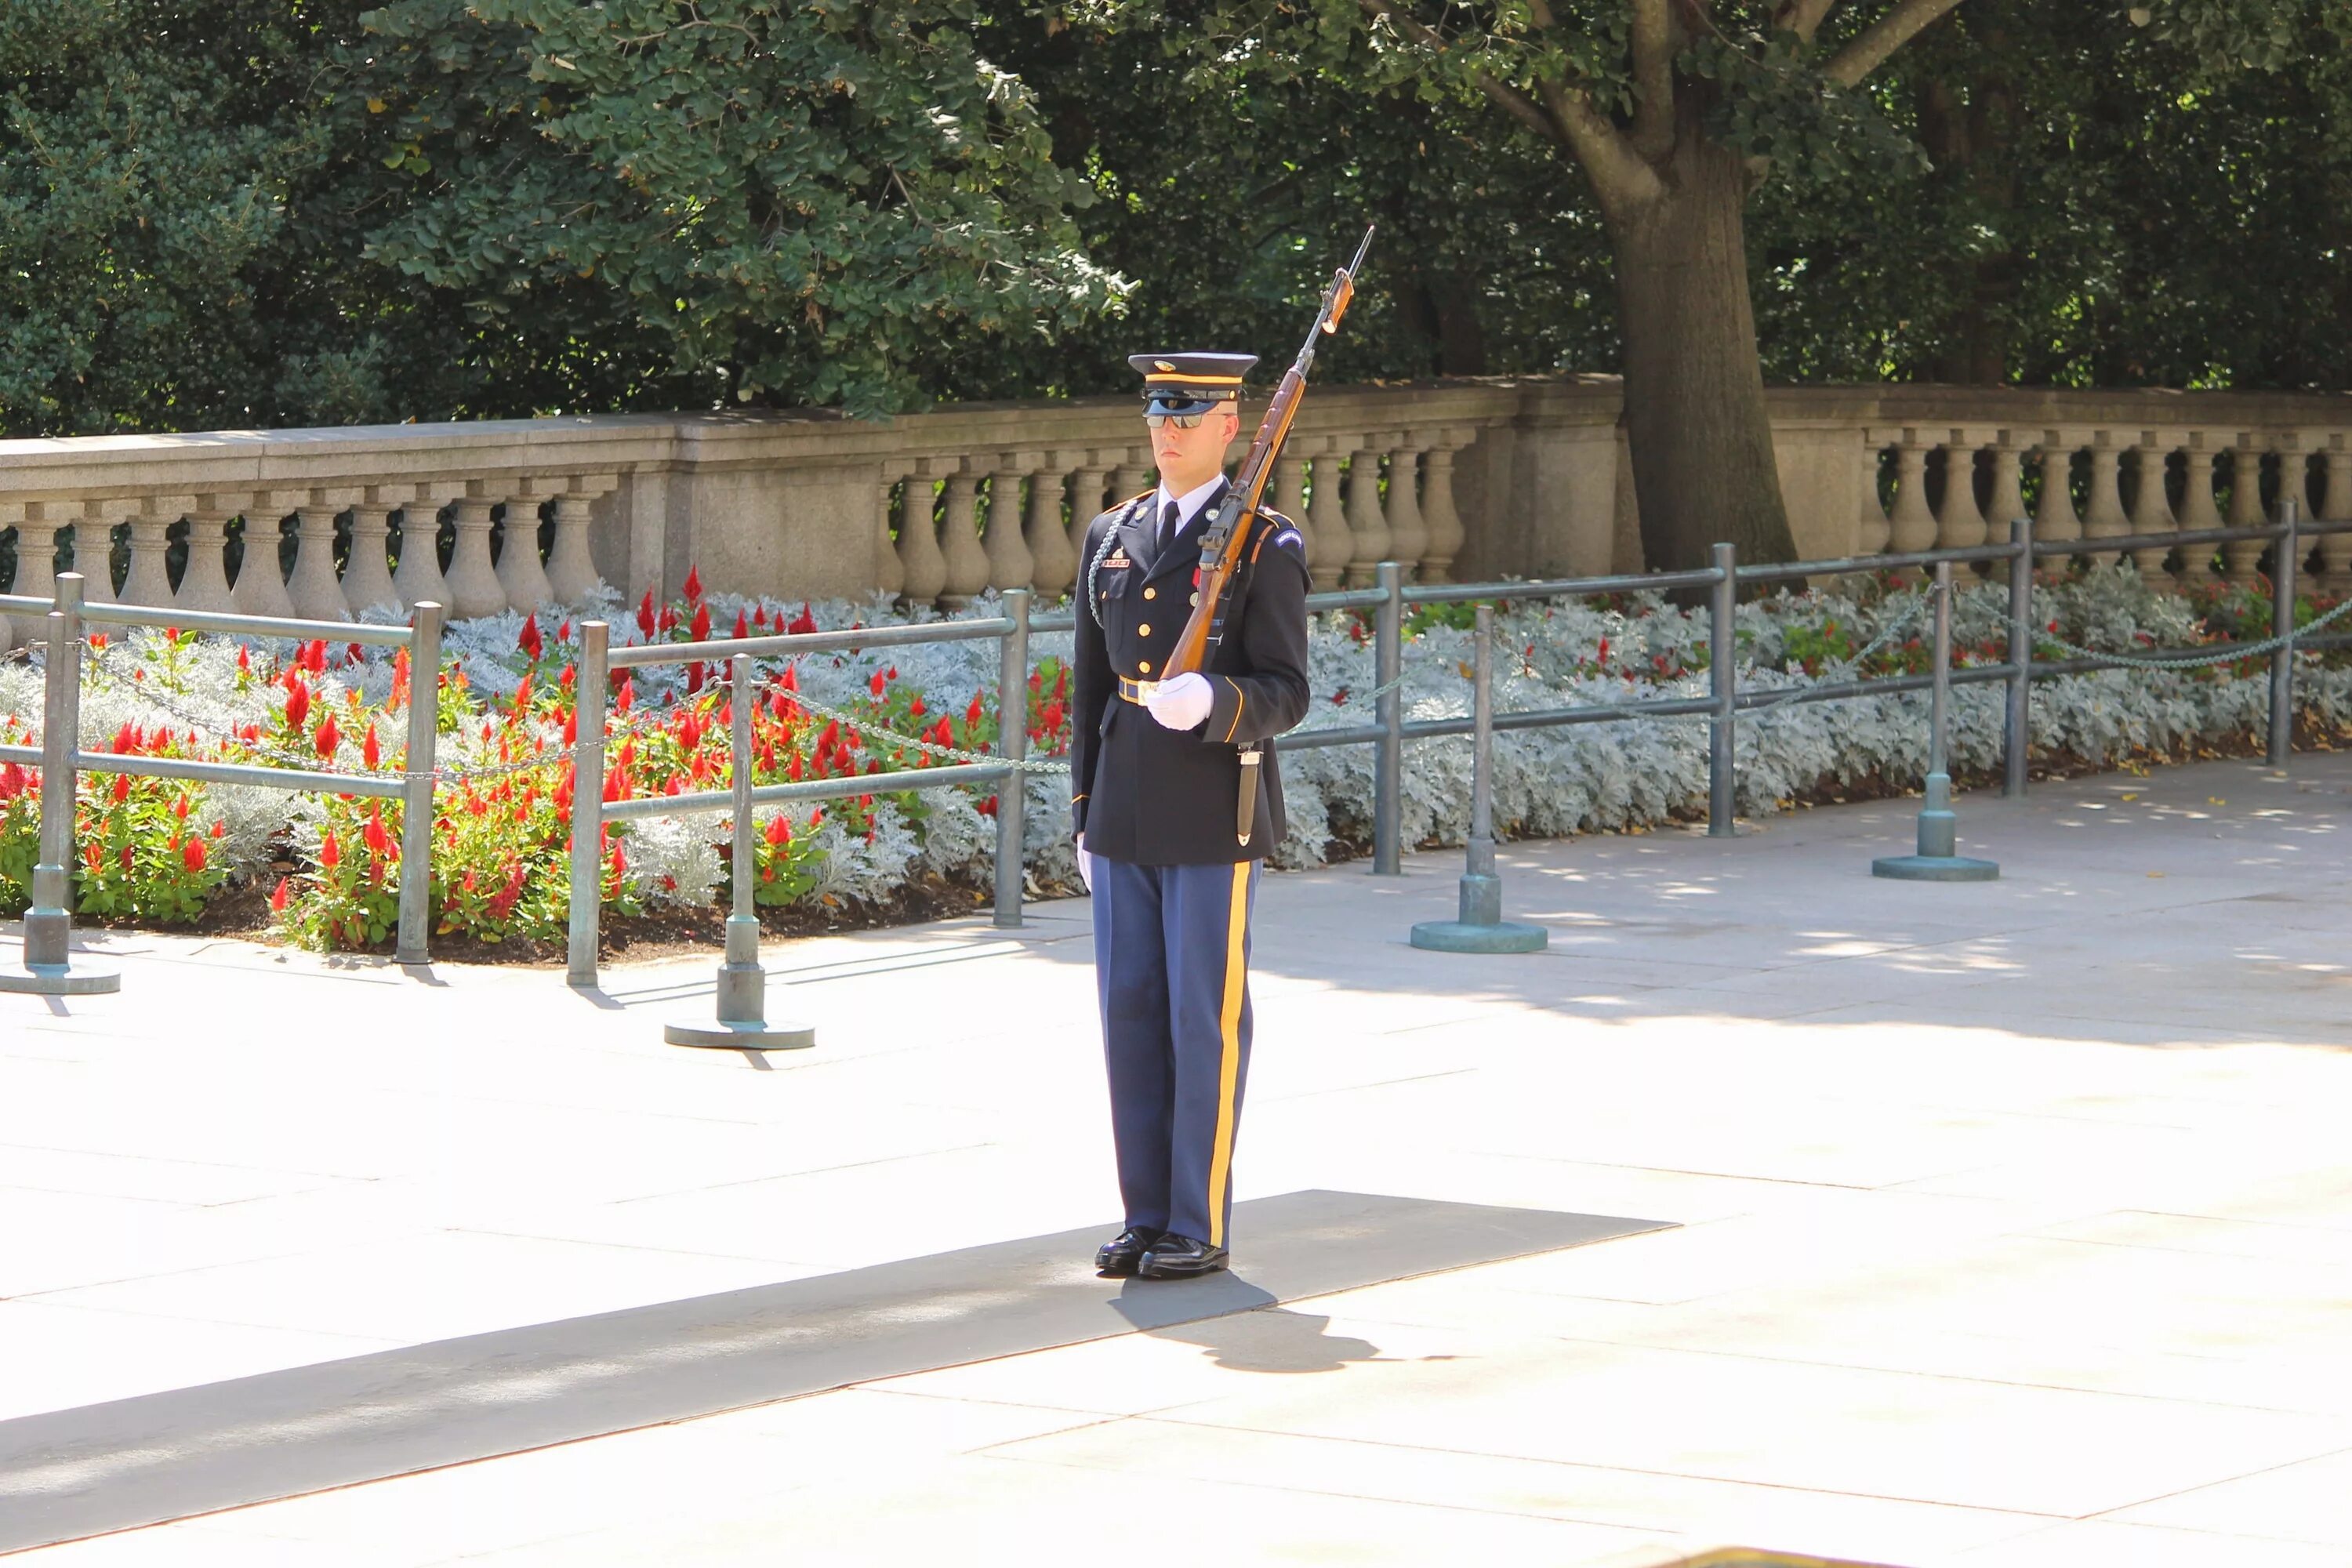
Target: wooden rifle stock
x,y
1221,542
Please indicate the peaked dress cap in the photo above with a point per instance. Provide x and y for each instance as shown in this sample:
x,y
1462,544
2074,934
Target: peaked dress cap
x,y
1191,382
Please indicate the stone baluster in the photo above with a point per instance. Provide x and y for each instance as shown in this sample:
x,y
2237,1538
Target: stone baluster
x,y
1911,526
2244,556
2007,486
1873,530
1327,544
1288,493
2335,506
419,577
1087,503
2151,508
2196,508
922,568
967,563
571,573
1961,523
2053,515
1369,541
2294,482
149,581
1408,532
1010,564
89,547
203,582
474,587
317,592
1053,563
260,575
37,555
522,572
2104,517
1136,474
367,573
889,572
1437,512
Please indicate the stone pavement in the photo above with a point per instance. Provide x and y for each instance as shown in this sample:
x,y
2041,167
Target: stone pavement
x,y
2015,1220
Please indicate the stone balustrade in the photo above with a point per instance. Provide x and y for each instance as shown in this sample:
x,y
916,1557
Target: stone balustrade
x,y
1460,479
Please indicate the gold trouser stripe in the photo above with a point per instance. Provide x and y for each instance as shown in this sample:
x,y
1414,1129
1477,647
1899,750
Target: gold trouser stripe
x,y
1229,1070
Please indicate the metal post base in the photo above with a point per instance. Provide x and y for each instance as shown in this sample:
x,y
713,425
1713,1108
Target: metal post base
x,y
752,1036
1502,936
1481,928
1938,838
57,981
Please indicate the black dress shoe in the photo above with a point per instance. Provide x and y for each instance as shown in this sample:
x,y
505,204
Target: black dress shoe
x,y
1122,1254
1174,1256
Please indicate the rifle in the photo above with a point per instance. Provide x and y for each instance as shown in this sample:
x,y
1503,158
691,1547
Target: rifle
x,y
1221,542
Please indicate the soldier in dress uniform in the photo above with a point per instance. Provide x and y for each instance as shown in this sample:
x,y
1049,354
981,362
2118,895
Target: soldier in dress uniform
x,y
1157,768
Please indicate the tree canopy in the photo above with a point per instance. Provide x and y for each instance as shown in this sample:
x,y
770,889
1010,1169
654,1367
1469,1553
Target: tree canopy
x,y
224,213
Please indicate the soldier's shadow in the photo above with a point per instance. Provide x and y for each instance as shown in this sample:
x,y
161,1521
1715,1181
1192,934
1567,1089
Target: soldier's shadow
x,y
1248,1332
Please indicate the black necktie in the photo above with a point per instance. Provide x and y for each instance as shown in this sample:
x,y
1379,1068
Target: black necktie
x,y
1170,524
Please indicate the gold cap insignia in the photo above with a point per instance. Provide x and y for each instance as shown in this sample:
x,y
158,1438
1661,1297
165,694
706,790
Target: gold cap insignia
x,y
1162,364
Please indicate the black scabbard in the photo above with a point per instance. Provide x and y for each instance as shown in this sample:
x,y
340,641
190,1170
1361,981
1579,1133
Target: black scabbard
x,y
1245,809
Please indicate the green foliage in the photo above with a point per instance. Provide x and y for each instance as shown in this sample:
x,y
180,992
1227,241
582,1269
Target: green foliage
x,y
792,202
140,857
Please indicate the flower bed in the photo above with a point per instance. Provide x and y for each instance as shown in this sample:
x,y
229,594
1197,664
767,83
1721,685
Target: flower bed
x,y
157,851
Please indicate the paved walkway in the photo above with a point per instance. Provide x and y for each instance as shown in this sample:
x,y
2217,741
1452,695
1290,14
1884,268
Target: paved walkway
x,y
2015,1221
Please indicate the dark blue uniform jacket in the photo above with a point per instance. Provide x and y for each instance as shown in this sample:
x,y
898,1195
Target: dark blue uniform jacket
x,y
1156,796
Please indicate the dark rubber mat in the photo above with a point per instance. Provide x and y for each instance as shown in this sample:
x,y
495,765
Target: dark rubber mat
x,y
72,1473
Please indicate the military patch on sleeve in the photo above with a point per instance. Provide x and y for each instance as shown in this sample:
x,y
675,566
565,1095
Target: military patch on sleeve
x,y
1289,538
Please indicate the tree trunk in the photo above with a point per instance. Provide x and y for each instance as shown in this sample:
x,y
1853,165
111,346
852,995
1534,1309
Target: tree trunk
x,y
1702,445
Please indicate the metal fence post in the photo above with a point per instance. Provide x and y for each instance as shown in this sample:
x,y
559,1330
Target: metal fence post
x,y
589,692
1939,829
1012,744
742,983
417,784
1723,684
1388,758
1481,927
2286,558
2017,732
48,923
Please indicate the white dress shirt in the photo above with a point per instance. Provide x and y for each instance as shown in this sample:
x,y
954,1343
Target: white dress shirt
x,y
1188,507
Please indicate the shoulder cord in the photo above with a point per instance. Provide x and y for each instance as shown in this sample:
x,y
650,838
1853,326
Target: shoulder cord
x,y
1102,551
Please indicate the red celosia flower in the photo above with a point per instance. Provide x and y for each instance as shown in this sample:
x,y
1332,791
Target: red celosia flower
x,y
563,632
742,627
1050,719
219,830
529,640
378,841
125,739
645,614
803,623
278,897
572,727
97,640
791,679
126,856
689,730
759,614
627,696
122,788
971,714
298,704
667,619
693,584
620,860
371,752
329,737
780,830
244,664
179,809
192,854
700,629
876,683
915,708
93,854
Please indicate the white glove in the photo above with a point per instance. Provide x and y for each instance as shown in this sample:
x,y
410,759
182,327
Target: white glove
x,y
1181,701
1085,865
